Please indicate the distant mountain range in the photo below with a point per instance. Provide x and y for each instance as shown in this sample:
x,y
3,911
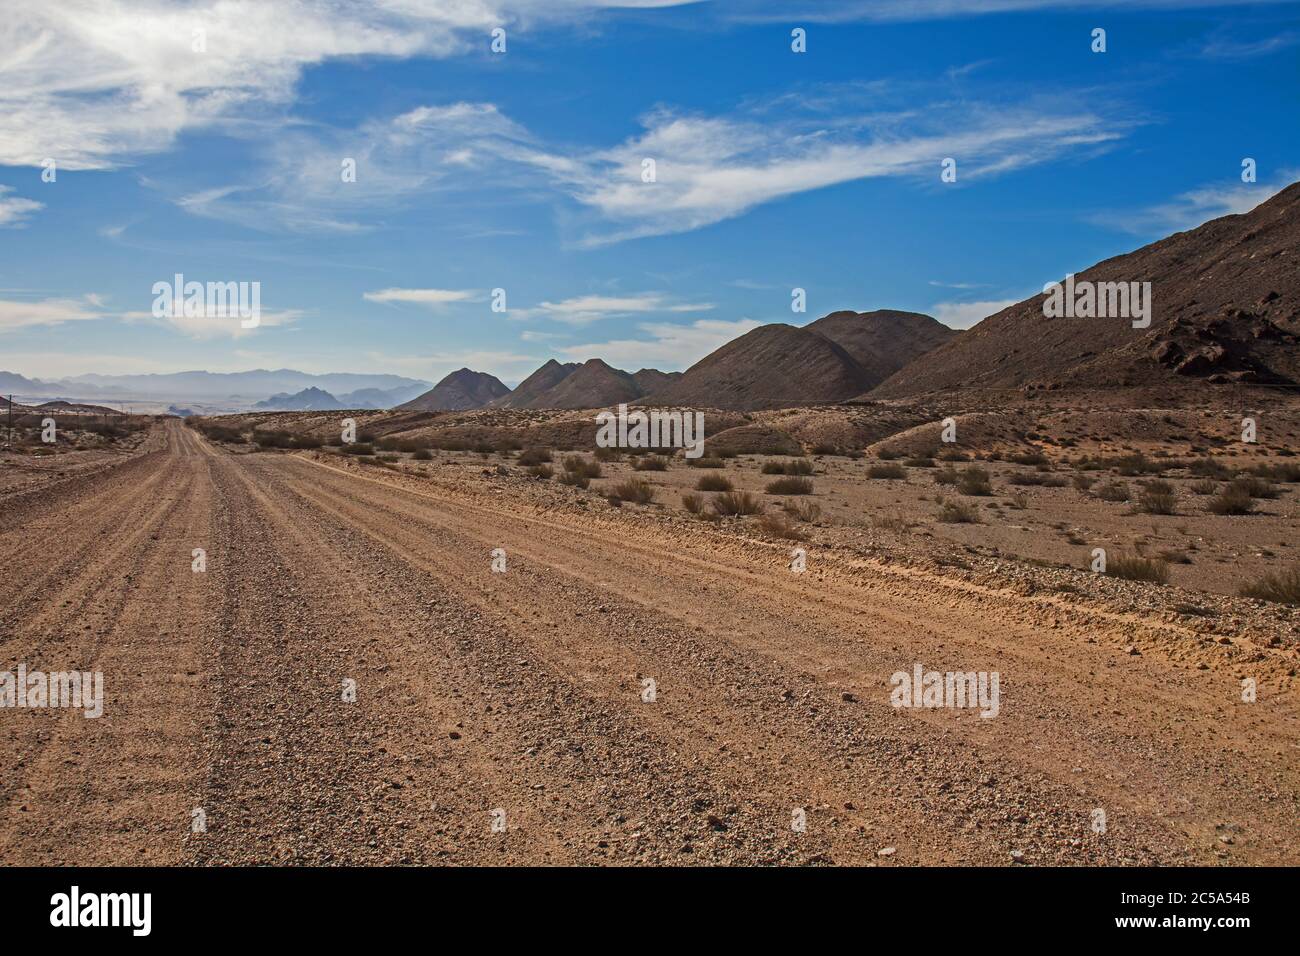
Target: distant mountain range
x,y
223,389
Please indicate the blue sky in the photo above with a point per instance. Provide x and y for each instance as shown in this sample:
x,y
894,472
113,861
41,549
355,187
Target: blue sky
x,y
523,170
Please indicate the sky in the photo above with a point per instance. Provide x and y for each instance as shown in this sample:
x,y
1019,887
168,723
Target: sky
x,y
642,180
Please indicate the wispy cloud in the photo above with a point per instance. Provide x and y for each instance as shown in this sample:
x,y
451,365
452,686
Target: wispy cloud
x,y
92,84
707,168
1192,208
432,298
963,315
585,309
14,210
207,328
17,315
1226,48
665,345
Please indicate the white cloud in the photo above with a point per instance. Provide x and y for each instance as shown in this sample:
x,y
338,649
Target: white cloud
x,y
18,315
963,315
211,327
585,309
1193,208
14,210
710,169
433,298
92,83
667,346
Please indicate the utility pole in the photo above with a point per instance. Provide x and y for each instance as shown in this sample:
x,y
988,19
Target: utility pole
x,y
9,440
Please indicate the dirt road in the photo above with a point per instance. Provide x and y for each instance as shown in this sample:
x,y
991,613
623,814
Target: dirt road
x,y
486,700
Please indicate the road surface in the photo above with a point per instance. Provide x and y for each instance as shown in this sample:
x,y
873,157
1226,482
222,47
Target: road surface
x,y
504,718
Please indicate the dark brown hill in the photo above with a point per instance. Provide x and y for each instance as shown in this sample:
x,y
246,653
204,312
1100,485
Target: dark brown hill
x,y
591,385
769,367
1226,307
460,390
885,340
537,384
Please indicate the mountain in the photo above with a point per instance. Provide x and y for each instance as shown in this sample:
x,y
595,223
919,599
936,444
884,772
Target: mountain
x,y
593,384
885,340
537,384
382,397
771,366
651,380
462,389
1225,307
308,400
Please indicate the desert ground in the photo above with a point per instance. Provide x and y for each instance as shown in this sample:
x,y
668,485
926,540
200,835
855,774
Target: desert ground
x,y
503,717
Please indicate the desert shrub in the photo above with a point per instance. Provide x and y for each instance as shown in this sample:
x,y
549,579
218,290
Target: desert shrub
x,y
1114,491
636,490
1157,498
1282,587
1231,501
974,481
803,509
920,462
1286,471
886,471
1135,464
692,502
307,441
1209,468
956,512
1254,487
217,433
790,485
535,456
607,454
713,483
575,478
707,461
790,466
1137,568
388,458
273,439
651,463
779,526
737,503
1020,501
577,465
358,448
423,454
951,454
540,471
825,448
947,475
1028,458
1206,486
